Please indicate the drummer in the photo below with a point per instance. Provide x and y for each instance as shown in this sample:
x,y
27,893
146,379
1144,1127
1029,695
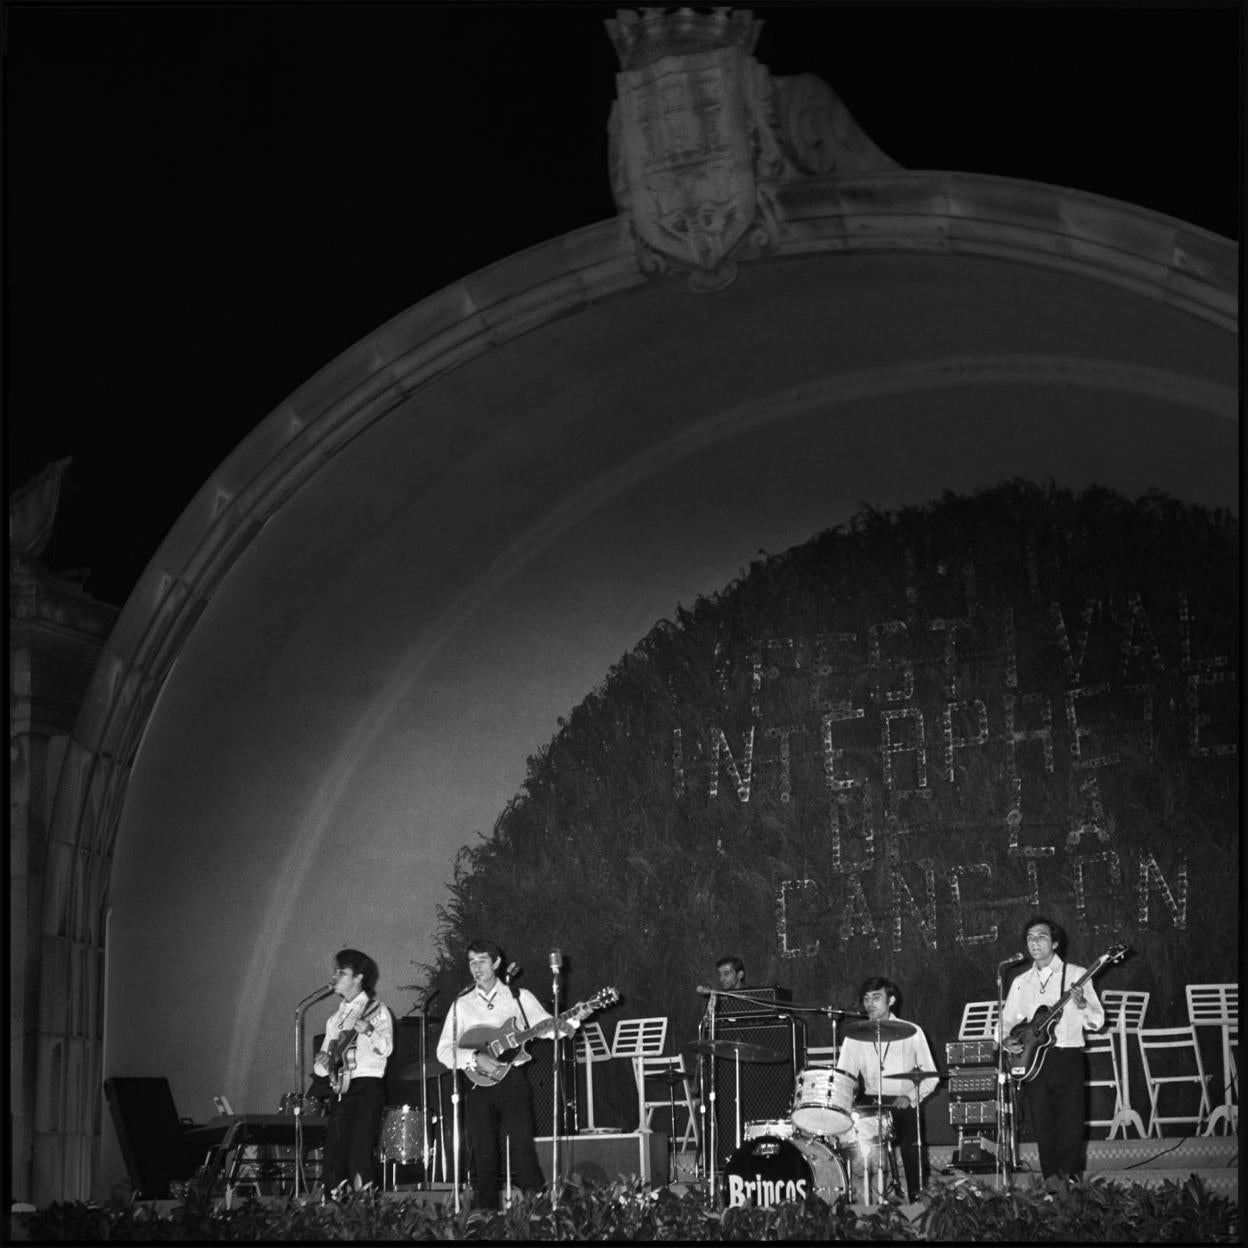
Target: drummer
x,y
897,1053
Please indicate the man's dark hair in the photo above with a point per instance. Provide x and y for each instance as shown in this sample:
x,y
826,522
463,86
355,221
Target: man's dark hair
x,y
875,983
359,964
477,945
736,964
1056,931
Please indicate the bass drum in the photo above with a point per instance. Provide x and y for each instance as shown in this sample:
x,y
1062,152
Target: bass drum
x,y
769,1171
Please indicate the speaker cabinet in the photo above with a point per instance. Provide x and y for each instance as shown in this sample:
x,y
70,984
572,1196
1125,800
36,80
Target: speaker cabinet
x,y
766,1087
152,1138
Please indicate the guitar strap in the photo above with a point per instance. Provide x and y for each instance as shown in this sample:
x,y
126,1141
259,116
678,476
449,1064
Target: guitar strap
x,y
515,992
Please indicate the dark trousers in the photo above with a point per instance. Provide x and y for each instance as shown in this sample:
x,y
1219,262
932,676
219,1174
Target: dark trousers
x,y
352,1131
492,1116
906,1137
1053,1103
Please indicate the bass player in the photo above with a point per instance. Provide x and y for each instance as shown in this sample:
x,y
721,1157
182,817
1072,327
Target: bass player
x,y
1053,1097
499,1103
359,1037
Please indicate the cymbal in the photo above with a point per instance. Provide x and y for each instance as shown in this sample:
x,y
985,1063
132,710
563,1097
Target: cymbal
x,y
422,1070
885,1029
738,1048
673,1077
915,1076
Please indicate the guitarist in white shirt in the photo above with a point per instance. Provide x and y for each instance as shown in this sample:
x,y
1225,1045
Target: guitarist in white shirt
x,y
1053,1098
504,1111
359,1038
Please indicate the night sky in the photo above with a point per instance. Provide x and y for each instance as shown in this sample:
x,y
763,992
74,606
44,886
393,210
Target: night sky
x,y
205,204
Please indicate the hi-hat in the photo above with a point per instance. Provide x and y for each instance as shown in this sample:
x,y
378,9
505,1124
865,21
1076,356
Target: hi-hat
x,y
915,1076
885,1029
738,1049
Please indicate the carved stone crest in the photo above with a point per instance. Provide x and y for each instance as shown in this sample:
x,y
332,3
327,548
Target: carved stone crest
x,y
702,138
693,155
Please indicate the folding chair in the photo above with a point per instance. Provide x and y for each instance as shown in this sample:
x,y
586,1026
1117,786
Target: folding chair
x,y
1180,1064
1217,1005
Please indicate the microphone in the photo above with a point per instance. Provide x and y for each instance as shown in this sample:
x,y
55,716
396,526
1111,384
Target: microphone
x,y
513,971
1017,957
703,991
556,961
317,994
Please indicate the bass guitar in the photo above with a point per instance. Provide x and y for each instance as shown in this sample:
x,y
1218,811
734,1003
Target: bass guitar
x,y
505,1044
339,1054
1039,1032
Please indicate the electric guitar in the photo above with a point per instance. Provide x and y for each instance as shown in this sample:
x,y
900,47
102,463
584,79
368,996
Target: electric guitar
x,y
505,1044
339,1054
1039,1032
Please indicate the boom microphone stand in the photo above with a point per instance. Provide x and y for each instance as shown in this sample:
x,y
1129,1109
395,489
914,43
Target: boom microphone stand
x,y
300,1010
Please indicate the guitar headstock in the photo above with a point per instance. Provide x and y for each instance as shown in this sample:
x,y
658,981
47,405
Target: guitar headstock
x,y
1115,954
603,998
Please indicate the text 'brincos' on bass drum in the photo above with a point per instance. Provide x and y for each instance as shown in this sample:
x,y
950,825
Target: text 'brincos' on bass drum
x,y
768,1171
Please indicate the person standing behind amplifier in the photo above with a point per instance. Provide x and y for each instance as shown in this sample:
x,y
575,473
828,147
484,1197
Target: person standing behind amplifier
x,y
894,1057
359,1038
1053,1099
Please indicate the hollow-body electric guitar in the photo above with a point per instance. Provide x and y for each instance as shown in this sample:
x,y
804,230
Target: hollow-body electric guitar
x,y
340,1051
1038,1033
505,1044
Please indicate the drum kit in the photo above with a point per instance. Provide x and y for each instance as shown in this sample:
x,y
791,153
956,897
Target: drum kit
x,y
829,1146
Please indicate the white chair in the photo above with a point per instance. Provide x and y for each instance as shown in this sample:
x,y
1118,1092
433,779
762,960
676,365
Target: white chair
x,y
591,1048
1217,1005
660,1077
1101,1051
1180,1064
634,1039
979,1020
1124,1016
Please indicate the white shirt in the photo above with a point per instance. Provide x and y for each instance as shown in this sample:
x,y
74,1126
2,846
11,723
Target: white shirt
x,y
367,1057
859,1057
496,1008
1034,988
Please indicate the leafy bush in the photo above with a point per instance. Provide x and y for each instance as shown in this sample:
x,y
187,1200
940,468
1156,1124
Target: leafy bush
x,y
1094,1211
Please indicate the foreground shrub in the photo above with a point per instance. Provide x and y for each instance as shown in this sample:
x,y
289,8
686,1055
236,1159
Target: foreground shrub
x,y
1094,1211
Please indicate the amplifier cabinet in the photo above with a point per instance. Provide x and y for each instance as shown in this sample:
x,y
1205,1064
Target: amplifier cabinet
x,y
973,1084
967,1113
766,1087
971,1052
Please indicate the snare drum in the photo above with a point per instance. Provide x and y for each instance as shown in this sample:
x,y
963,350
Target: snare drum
x,y
872,1127
780,1128
823,1101
402,1134
768,1171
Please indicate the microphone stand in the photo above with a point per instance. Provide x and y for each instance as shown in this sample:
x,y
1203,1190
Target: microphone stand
x,y
712,1178
300,1010
555,965
1005,1130
455,1103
